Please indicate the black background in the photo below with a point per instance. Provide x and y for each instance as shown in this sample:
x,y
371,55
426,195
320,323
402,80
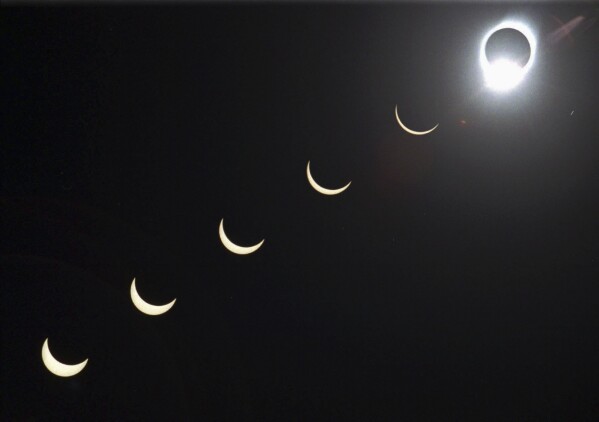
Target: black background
x,y
456,279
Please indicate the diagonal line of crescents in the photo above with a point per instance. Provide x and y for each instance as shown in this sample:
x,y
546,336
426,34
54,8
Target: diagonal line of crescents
x,y
62,370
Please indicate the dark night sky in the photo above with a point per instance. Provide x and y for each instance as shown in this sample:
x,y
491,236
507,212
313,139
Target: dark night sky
x,y
456,279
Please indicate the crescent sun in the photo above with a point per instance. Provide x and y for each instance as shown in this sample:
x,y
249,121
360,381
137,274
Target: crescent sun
x,y
145,307
413,132
319,188
239,250
59,368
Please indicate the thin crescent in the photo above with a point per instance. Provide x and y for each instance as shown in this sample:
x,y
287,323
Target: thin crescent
x,y
145,307
59,368
319,188
413,132
239,250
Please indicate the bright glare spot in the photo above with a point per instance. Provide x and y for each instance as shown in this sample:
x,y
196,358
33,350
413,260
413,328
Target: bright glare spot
x,y
503,75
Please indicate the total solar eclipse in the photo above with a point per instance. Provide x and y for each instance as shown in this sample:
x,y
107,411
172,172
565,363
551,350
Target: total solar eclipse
x,y
504,73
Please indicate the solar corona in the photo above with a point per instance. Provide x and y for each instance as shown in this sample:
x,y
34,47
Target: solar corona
x,y
502,74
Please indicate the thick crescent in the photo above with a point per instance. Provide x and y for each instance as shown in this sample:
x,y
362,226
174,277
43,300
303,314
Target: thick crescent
x,y
145,307
59,368
239,250
319,188
413,132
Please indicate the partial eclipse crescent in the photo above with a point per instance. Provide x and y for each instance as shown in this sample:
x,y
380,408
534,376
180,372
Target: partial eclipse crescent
x,y
319,188
59,368
413,132
148,308
239,250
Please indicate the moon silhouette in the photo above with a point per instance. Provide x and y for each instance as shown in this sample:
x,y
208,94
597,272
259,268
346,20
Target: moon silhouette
x,y
413,132
148,308
319,188
501,75
239,250
59,368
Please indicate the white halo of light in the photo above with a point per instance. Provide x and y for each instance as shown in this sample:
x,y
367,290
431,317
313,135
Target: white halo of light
x,y
502,74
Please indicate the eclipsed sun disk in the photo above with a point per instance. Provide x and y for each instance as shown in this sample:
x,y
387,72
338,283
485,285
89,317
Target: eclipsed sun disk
x,y
232,247
503,74
410,131
319,188
145,307
59,368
